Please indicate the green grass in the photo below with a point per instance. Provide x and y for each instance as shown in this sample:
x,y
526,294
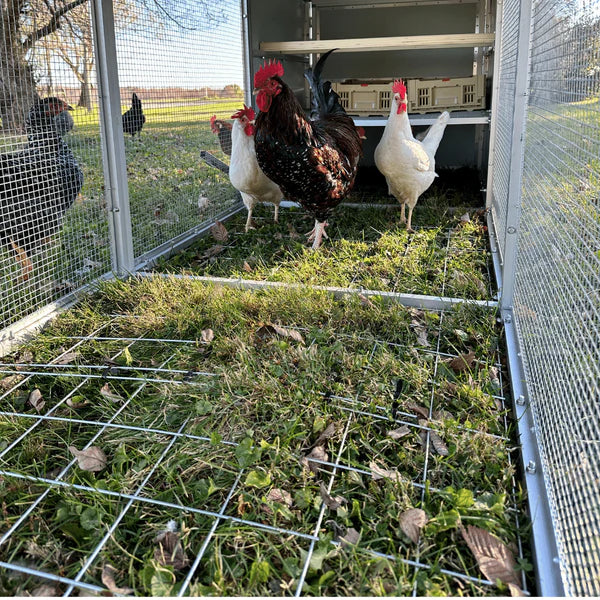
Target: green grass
x,y
251,408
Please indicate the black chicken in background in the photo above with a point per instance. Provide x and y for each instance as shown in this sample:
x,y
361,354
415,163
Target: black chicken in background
x,y
64,121
134,118
37,185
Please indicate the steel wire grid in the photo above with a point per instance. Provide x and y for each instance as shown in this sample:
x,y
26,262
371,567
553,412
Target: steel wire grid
x,y
507,54
185,64
558,275
53,240
135,500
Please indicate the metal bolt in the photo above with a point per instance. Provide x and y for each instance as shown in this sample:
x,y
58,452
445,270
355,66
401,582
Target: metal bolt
x,y
531,467
507,319
521,400
511,229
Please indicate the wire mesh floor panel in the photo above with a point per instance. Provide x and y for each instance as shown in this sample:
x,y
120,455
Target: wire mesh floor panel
x,y
369,247
207,452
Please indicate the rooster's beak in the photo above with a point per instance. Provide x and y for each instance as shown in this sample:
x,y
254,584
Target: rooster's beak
x,y
69,107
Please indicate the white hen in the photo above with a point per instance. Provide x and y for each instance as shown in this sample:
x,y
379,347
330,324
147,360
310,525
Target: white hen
x,y
244,173
407,164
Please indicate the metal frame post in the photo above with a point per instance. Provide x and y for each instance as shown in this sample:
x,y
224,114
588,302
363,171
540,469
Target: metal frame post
x,y
247,50
513,214
113,144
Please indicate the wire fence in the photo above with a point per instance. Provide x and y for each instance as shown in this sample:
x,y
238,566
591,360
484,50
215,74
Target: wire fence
x,y
558,262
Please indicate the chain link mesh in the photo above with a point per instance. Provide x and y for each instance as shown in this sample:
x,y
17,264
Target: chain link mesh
x,y
558,274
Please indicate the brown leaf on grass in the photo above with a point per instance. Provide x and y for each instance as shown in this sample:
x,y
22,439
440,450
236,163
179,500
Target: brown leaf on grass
x,y
465,218
219,232
207,336
106,391
170,551
67,358
327,433
76,404
279,495
36,400
108,579
463,362
329,500
421,333
365,300
213,251
494,377
350,538
493,557
411,523
247,267
436,441
399,433
378,472
46,589
91,459
242,505
317,453
449,387
25,356
269,330
10,381
418,409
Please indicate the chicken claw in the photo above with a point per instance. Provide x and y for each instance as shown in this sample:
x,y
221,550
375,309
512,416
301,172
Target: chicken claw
x,y
317,234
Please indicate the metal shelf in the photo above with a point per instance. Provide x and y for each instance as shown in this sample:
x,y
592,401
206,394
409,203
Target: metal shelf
x,y
467,117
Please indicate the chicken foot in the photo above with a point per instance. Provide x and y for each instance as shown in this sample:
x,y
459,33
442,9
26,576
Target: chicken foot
x,y
317,234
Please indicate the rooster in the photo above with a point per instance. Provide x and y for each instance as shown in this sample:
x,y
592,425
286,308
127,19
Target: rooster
x,y
407,164
37,185
222,129
314,161
134,118
244,173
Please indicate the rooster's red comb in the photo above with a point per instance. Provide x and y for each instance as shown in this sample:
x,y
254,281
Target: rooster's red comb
x,y
399,88
247,112
268,70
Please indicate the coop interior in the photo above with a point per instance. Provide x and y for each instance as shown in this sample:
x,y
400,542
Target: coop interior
x,y
190,406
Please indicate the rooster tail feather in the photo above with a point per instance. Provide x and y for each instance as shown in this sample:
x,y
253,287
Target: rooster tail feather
x,y
325,100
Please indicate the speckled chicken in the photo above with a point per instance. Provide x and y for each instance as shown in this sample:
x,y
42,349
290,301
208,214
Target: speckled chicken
x,y
313,160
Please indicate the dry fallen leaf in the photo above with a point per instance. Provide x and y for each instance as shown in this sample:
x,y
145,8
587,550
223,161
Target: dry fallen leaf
x,y
317,453
10,381
170,552
436,441
67,358
422,336
279,495
207,336
494,378
247,267
109,394
399,433
351,538
494,558
36,400
213,251
364,300
463,362
269,330
378,472
329,500
46,589
242,505
328,432
219,232
418,409
411,523
108,579
465,218
91,459
76,404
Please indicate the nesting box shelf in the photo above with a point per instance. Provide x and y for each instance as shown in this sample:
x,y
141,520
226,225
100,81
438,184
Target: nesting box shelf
x,y
467,117
406,42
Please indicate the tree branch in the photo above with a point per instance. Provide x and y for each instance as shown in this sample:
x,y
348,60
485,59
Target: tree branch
x,y
52,25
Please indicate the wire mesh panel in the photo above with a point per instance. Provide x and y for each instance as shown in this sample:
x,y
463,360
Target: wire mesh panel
x,y
53,228
181,77
558,274
507,54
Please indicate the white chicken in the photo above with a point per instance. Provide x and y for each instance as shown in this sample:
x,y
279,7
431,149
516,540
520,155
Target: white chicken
x,y
244,173
407,163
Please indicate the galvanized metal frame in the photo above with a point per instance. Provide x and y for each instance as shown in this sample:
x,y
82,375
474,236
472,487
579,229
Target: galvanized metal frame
x,y
113,145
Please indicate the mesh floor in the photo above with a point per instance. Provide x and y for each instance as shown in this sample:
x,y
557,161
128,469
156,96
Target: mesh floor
x,y
217,458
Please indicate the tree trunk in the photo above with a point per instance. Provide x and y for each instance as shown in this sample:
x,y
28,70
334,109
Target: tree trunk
x,y
17,83
85,96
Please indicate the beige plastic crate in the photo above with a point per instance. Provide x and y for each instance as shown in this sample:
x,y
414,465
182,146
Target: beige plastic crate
x,y
364,98
456,93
